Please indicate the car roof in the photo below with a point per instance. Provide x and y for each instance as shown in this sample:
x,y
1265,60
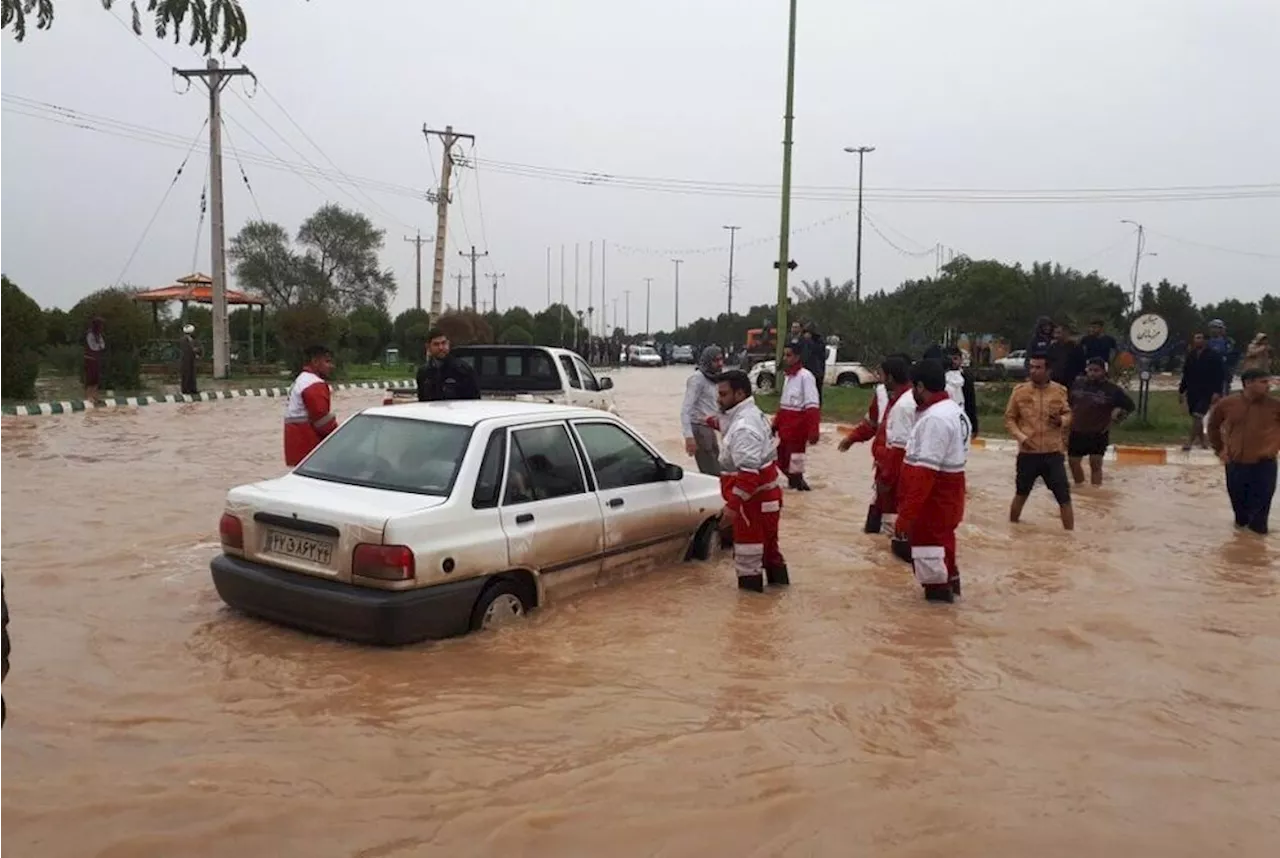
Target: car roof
x,y
508,347
469,412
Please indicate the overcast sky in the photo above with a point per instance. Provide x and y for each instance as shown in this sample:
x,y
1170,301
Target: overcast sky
x,y
985,94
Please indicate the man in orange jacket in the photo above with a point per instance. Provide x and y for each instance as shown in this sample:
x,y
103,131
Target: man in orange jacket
x,y
308,417
894,371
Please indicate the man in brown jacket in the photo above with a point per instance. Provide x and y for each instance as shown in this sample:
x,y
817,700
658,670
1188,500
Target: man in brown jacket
x,y
1244,430
1038,416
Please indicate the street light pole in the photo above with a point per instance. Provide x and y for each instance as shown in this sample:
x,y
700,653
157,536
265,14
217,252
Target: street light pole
x,y
1137,261
733,232
860,151
648,289
784,231
677,262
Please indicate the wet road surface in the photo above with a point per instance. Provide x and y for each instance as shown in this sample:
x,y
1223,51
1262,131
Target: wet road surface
x,y
1115,691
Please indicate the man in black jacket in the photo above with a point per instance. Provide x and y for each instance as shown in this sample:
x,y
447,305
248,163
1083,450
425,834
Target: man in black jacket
x,y
1066,358
1203,375
815,355
444,377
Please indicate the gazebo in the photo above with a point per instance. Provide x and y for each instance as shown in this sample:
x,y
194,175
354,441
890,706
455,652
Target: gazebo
x,y
199,288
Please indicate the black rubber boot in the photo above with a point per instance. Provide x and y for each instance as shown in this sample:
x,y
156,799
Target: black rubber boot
x,y
901,548
754,583
794,480
939,593
777,576
955,585
874,520
801,484
726,538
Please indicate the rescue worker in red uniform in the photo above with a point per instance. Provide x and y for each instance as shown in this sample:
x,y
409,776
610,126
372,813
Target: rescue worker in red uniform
x,y
308,415
798,414
895,372
750,484
931,486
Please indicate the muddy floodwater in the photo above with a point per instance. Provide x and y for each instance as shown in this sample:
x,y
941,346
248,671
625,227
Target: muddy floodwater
x,y
1112,692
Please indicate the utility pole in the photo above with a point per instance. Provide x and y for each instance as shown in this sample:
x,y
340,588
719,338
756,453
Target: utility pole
x,y
495,289
860,151
441,198
548,275
473,256
215,78
562,296
677,262
648,289
784,231
627,294
576,270
733,232
591,281
1137,261
602,295
458,307
417,257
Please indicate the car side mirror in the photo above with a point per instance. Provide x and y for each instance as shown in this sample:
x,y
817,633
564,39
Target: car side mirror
x,y
606,383
670,473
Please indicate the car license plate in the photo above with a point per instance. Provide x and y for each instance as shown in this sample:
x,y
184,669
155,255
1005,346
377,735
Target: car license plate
x,y
299,547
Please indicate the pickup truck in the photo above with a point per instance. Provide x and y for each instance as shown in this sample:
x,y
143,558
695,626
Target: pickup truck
x,y
529,374
840,373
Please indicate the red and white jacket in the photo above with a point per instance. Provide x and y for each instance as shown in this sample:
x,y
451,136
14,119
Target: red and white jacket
x,y
798,410
308,417
874,427
748,463
931,486
897,433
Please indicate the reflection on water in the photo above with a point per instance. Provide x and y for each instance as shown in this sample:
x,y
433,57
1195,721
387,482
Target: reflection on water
x,y
1088,690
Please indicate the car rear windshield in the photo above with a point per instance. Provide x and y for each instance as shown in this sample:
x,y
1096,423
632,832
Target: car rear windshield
x,y
511,369
394,453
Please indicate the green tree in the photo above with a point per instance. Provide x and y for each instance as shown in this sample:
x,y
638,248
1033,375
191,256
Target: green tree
x,y
126,328
409,332
369,331
304,325
516,336
57,327
343,246
211,22
22,335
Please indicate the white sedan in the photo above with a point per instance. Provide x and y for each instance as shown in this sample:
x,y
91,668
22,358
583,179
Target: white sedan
x,y
645,356
429,520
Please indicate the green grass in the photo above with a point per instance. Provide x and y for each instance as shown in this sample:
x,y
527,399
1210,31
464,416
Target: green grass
x,y
1167,421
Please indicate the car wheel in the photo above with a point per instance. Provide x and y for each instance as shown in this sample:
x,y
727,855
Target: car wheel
x,y
700,547
764,382
848,379
503,602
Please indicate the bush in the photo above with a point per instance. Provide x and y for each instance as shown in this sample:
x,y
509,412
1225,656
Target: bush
x,y
21,337
516,336
466,328
64,360
126,326
301,326
410,333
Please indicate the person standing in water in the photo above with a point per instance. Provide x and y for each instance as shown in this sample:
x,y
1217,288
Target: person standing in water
x,y
960,387
798,414
895,372
751,486
1097,403
700,412
1038,416
308,415
1204,375
1244,430
932,486
95,347
187,361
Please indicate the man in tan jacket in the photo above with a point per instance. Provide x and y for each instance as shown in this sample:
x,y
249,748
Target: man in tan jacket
x,y
1038,416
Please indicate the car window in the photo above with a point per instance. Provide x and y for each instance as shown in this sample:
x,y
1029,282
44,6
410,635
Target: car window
x,y
588,377
395,453
489,480
617,458
570,371
542,464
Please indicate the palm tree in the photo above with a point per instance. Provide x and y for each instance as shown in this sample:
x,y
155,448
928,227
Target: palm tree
x,y
210,21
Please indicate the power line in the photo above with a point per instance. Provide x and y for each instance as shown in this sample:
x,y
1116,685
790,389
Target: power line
x,y
235,154
1216,247
876,229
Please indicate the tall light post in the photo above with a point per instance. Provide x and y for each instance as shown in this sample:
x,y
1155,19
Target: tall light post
x,y
784,230
860,151
1137,261
733,232
677,264
648,289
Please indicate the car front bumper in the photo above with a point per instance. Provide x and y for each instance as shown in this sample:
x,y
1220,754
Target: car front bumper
x,y
365,615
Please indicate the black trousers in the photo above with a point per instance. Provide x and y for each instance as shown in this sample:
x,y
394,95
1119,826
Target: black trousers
x,y
1251,488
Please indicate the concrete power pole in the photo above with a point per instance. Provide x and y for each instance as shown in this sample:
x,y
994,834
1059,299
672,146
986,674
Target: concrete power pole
x,y
733,232
441,198
861,152
496,277
215,78
648,293
578,313
562,296
627,317
602,294
417,257
677,262
1137,261
473,256
459,276
548,275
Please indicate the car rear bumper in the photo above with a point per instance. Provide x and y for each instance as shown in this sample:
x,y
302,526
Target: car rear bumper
x,y
382,617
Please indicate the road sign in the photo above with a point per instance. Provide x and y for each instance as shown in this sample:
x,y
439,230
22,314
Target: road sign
x,y
1148,334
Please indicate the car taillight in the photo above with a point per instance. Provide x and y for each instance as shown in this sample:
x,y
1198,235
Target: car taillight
x,y
388,400
384,562
231,531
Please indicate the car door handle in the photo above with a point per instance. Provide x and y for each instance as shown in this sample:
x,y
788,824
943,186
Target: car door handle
x,y
616,502
524,518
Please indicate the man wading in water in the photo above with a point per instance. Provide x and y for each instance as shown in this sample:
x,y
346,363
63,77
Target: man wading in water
x,y
308,418
1096,404
1204,375
895,372
700,413
1038,416
187,361
798,415
1244,429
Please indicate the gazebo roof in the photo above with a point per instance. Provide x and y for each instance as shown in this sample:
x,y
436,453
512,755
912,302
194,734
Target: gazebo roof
x,y
194,287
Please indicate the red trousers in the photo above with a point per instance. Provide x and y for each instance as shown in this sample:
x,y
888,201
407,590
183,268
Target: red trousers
x,y
791,456
755,536
933,553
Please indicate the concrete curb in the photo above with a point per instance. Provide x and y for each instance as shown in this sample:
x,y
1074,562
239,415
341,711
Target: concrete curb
x,y
1124,454
75,405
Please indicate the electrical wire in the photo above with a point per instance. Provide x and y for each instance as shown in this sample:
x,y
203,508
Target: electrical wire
x,y
872,223
163,199
235,154
1219,248
204,197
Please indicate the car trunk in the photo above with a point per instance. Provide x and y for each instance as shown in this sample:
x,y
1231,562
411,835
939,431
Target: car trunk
x,y
312,526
